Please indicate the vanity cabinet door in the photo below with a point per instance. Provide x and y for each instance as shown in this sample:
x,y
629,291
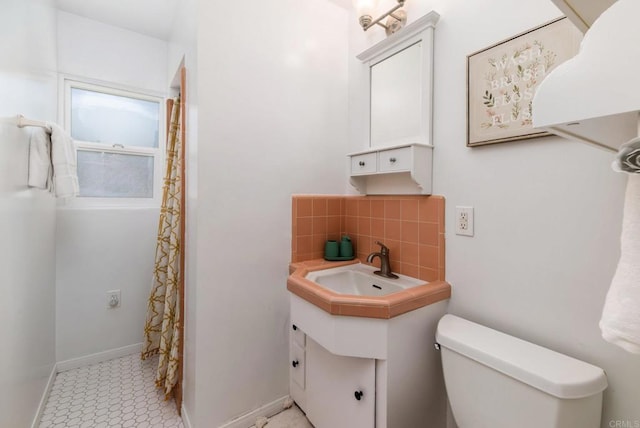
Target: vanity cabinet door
x,y
298,335
340,390
297,367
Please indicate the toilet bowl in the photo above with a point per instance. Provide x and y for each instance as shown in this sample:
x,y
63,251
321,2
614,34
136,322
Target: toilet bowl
x,y
494,380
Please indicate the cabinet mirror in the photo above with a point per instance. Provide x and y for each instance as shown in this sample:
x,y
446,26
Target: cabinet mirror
x,y
396,86
400,85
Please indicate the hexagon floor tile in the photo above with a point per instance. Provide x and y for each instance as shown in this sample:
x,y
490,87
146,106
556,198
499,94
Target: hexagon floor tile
x,y
118,393
289,418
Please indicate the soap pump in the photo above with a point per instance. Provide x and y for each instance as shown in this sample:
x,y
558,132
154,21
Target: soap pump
x,y
346,247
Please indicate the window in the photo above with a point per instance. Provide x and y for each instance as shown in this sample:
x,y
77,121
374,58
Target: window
x,y
119,141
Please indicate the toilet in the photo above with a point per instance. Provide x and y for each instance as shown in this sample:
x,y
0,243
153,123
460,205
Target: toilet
x,y
494,380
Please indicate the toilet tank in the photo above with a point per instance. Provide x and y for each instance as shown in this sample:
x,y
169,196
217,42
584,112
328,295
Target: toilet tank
x,y
494,380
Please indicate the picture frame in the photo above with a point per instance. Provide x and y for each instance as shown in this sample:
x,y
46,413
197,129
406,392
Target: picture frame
x,y
502,79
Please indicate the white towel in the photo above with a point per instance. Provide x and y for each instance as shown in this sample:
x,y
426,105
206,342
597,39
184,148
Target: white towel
x,y
620,323
63,158
40,159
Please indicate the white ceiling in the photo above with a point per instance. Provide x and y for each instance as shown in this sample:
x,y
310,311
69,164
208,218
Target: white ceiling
x,y
150,17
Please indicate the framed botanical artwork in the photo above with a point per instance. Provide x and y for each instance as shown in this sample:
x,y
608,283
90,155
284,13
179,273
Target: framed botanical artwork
x,y
502,80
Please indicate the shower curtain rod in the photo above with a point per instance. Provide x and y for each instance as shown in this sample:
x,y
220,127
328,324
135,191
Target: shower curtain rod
x,y
20,121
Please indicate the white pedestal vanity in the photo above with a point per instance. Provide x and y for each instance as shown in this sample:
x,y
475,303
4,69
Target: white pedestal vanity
x,y
362,371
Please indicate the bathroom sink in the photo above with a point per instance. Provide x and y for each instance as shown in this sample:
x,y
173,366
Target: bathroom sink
x,y
350,311
359,279
349,289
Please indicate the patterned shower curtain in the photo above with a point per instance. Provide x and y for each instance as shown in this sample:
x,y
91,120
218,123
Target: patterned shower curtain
x,y
161,330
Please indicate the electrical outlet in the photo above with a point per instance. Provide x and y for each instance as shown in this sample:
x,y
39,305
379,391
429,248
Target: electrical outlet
x,y
464,221
113,299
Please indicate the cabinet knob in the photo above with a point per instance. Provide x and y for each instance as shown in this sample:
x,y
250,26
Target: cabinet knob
x,y
295,327
392,160
295,363
358,395
361,163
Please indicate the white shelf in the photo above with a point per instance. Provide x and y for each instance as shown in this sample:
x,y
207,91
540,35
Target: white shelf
x,y
583,13
595,96
404,169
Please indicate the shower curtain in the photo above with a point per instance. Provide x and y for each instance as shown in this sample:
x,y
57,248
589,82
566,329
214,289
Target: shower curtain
x,y
162,327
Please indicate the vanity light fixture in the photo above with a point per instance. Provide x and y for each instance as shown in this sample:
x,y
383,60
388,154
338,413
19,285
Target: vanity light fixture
x,y
397,18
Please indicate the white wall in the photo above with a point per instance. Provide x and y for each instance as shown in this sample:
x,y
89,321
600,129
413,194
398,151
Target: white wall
x,y
92,49
102,249
183,49
27,217
273,121
547,211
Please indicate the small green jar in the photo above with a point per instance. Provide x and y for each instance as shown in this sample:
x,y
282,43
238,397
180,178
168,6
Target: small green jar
x,y
331,249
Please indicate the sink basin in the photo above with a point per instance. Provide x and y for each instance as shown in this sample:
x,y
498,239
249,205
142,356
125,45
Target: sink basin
x,y
359,279
350,289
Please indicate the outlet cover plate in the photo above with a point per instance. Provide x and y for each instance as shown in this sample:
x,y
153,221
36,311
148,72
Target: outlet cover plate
x,y
464,221
113,296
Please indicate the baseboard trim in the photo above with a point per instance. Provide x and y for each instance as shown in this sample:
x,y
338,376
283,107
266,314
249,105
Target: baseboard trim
x,y
98,357
185,417
249,419
45,397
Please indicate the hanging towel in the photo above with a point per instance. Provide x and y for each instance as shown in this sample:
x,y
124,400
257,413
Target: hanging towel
x,y
63,158
40,159
620,322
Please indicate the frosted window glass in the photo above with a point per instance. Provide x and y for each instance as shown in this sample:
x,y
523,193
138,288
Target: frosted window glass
x,y
115,175
112,119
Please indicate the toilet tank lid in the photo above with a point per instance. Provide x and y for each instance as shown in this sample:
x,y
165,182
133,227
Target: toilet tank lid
x,y
549,371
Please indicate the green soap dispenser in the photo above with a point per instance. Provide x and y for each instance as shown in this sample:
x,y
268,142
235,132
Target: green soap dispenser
x,y
346,247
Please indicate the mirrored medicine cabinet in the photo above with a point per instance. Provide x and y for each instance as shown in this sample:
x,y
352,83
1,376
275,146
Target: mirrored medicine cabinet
x,y
397,97
399,85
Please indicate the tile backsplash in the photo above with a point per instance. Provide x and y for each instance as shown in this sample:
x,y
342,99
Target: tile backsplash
x,y
412,226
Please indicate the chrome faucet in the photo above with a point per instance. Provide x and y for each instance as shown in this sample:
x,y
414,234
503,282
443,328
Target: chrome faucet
x,y
385,264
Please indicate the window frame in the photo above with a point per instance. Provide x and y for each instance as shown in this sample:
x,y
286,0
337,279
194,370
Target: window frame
x,y
67,83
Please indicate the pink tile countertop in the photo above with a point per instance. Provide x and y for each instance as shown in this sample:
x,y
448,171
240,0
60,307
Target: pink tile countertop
x,y
388,306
